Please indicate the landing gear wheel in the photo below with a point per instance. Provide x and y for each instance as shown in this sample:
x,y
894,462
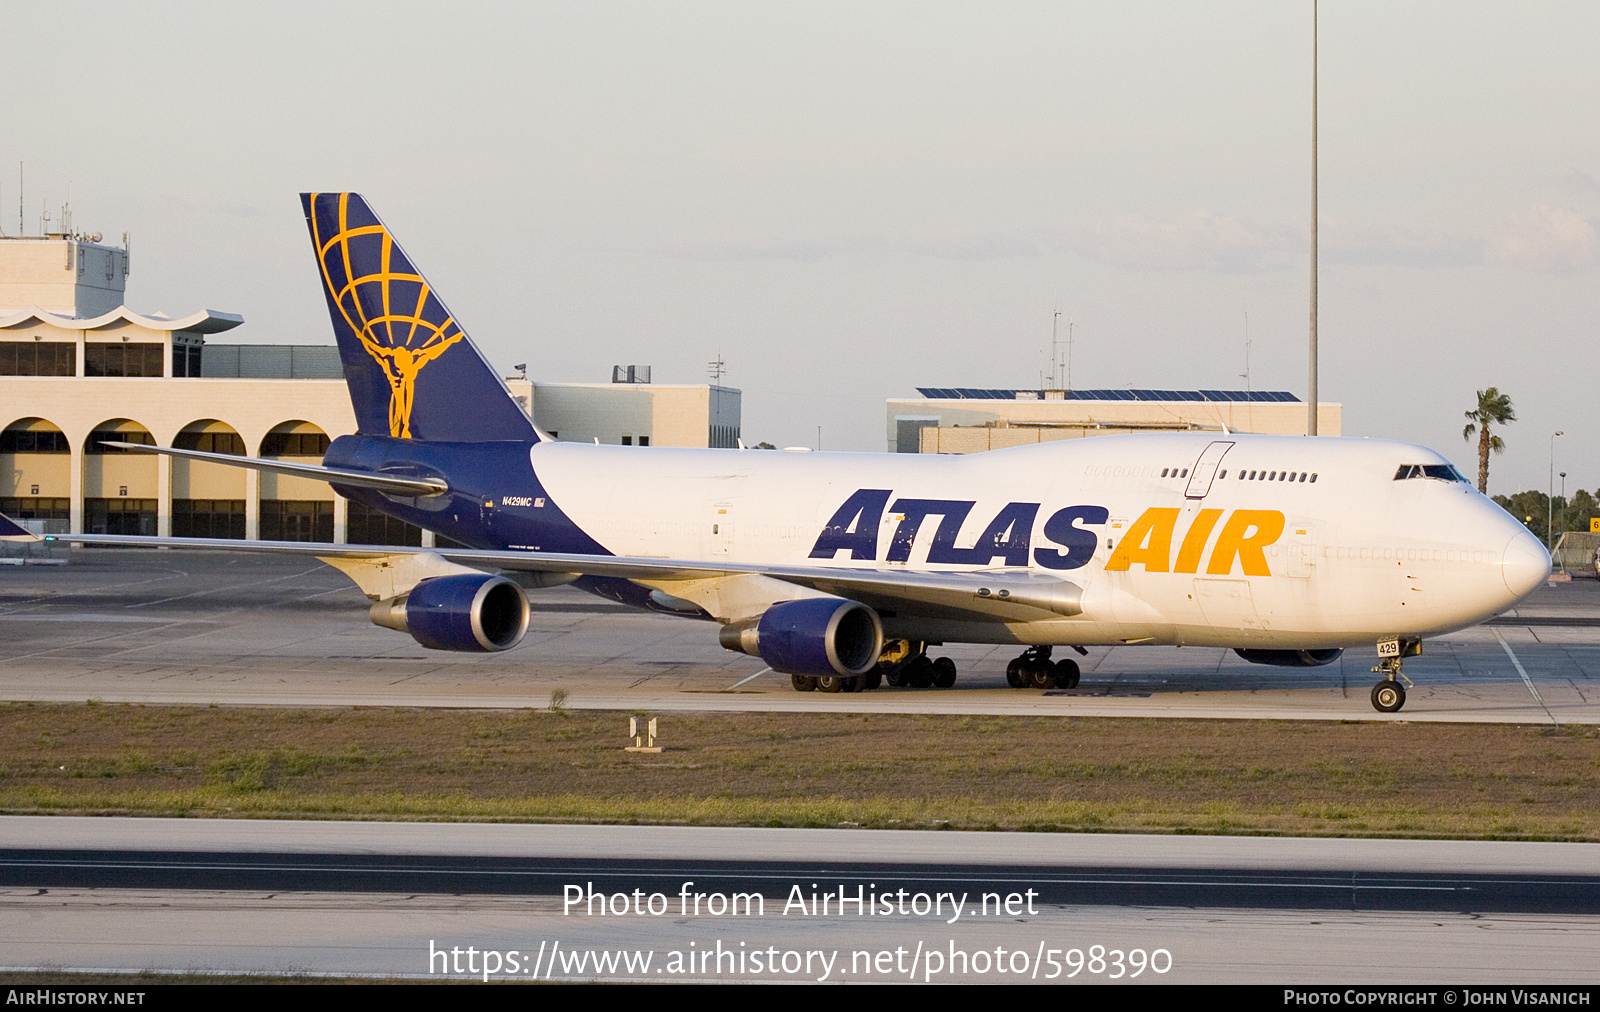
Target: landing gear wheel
x,y
920,673
896,676
830,683
1066,674
803,683
871,680
1388,696
1032,669
944,673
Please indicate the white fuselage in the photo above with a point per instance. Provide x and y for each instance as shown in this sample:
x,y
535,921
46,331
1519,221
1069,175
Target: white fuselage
x,y
1293,543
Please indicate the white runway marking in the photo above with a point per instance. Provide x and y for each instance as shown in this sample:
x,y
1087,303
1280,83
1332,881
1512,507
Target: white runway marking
x,y
1525,679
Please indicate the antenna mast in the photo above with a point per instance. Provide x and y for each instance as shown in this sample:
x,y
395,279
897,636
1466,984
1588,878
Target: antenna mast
x,y
1055,368
1070,325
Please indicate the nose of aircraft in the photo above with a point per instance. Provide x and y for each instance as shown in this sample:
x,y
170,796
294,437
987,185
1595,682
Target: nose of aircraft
x,y
1525,564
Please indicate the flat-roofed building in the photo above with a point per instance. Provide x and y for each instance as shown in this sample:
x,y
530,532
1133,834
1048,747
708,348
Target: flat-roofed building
x,y
634,413
970,420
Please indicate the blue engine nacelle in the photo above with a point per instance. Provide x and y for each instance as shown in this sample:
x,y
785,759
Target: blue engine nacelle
x,y
812,636
1291,658
468,612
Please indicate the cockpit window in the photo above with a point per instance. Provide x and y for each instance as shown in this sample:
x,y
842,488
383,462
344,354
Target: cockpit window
x,y
1442,472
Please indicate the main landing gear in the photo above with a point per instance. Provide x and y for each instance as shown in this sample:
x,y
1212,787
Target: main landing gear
x,y
903,664
835,683
1388,696
1034,670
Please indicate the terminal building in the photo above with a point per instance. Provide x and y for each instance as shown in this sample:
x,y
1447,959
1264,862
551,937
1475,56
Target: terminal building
x,y
970,420
78,368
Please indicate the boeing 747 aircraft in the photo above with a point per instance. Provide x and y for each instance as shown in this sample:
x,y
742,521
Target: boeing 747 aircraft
x,y
842,569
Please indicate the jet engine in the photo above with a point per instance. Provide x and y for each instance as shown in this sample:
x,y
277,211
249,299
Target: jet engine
x,y
1291,658
467,612
812,636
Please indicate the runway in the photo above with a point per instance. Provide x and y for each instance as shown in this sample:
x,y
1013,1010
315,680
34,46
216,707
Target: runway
x,y
170,627
1250,910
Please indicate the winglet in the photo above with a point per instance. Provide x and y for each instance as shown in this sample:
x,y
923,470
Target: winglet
x,y
10,530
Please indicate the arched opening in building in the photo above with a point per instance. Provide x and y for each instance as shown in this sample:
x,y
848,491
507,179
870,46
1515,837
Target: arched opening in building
x,y
119,485
36,474
295,508
295,439
208,500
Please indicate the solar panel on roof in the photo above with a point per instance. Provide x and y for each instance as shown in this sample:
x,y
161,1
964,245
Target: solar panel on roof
x,y
1101,394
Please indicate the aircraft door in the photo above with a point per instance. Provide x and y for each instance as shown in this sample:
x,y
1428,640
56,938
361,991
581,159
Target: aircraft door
x,y
1205,469
1301,544
721,530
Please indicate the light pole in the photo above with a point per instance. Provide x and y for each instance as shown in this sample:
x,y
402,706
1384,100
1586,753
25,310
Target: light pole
x,y
1550,521
1563,499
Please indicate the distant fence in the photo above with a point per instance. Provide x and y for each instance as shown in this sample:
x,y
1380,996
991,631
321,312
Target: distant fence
x,y
1574,553
38,553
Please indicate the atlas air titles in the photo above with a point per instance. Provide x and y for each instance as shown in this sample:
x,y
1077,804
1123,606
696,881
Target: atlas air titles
x,y
1242,541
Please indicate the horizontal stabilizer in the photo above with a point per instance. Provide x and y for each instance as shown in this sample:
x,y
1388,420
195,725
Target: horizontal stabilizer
x,y
392,484
10,530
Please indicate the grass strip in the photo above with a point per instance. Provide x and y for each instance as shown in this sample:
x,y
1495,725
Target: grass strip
x,y
764,769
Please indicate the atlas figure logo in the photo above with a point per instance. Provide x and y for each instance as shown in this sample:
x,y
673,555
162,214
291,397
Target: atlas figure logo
x,y
392,312
1008,537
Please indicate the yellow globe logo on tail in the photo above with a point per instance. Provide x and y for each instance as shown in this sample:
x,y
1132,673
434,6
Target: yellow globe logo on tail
x,y
387,310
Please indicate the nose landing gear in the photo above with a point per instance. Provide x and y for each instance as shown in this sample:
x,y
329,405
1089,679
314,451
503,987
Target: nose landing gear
x,y
1388,696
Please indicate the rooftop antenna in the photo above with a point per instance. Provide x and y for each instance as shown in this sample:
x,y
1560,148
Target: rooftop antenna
x,y
1246,374
1070,325
716,368
1249,405
1055,369
21,228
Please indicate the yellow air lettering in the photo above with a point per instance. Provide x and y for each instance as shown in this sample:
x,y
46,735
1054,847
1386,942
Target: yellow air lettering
x,y
1245,537
1148,542
1194,542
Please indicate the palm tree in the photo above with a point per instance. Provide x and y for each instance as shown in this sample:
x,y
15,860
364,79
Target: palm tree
x,y
1494,408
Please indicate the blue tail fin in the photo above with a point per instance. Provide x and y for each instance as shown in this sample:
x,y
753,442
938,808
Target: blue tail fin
x,y
413,372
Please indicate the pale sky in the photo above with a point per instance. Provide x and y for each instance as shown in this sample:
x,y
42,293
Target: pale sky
x,y
851,200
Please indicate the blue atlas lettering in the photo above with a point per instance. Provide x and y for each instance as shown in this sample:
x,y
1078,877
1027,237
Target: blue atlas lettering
x,y
854,528
913,511
1063,529
1008,535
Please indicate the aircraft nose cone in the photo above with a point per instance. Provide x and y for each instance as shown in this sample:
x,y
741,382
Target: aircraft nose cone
x,y
1525,564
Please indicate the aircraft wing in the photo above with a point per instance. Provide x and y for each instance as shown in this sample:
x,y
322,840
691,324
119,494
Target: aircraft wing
x,y
998,595
394,484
